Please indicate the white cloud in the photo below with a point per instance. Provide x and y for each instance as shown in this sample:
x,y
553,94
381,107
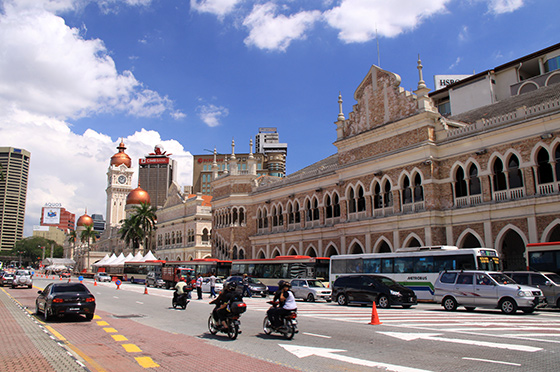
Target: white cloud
x,y
358,20
211,114
270,31
504,6
220,8
455,64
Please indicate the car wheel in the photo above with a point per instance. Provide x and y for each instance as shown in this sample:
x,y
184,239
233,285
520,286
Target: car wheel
x,y
558,303
341,299
30,286
46,314
406,306
89,317
508,306
37,311
383,302
470,308
310,297
449,304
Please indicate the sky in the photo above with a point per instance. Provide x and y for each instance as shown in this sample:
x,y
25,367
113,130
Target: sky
x,y
76,76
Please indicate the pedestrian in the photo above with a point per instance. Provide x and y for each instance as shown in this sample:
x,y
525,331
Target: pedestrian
x,y
246,290
212,286
199,286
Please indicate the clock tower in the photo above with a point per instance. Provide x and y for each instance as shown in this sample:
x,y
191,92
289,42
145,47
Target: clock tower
x,y
119,185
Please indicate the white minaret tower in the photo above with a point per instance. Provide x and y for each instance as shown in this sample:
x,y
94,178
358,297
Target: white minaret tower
x,y
119,185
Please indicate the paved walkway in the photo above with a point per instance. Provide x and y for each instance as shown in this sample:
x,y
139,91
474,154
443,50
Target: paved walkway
x,y
25,345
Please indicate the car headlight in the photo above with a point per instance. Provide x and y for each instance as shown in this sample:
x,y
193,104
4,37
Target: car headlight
x,y
395,293
525,294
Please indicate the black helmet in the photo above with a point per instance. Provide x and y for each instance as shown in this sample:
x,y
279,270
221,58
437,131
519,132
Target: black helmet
x,y
281,283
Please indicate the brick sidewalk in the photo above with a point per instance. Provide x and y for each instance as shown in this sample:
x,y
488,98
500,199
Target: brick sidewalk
x,y
110,344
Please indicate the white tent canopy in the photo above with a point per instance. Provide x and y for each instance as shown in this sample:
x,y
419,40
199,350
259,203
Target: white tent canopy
x,y
102,261
150,256
118,261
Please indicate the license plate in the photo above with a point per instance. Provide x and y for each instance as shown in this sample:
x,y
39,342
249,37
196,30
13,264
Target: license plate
x,y
74,309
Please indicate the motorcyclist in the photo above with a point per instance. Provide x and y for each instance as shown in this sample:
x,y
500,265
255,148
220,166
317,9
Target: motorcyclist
x,y
221,302
286,304
181,289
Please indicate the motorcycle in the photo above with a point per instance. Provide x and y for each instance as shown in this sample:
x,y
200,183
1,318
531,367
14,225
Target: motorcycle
x,y
288,328
180,300
234,311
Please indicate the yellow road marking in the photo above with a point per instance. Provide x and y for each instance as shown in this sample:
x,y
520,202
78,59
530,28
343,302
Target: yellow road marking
x,y
146,362
96,317
131,348
110,330
102,323
119,338
55,333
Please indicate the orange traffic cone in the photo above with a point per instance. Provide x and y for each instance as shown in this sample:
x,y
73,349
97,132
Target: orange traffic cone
x,y
146,290
95,283
374,316
60,278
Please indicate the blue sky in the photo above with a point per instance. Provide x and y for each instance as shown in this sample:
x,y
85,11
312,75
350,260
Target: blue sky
x,y
76,75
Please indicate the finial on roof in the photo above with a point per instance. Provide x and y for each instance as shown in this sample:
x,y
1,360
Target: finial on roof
x,y
232,149
340,113
214,162
251,148
421,82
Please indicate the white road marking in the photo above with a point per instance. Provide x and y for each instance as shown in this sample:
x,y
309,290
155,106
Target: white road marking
x,y
138,302
315,335
305,351
493,361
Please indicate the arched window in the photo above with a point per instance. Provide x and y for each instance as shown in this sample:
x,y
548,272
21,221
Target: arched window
x,y
234,216
387,195
336,205
377,197
265,219
290,214
544,169
351,201
406,191
308,211
557,166
260,219
315,209
474,181
514,173
361,200
499,176
460,183
241,216
274,217
241,254
328,207
234,253
418,189
280,216
297,217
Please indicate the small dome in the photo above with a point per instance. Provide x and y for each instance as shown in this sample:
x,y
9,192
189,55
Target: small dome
x,y
85,220
121,157
137,196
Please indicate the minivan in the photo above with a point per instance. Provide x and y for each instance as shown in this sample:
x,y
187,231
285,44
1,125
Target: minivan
x,y
548,283
487,289
368,288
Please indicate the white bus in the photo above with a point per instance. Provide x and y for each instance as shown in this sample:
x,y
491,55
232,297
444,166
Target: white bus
x,y
416,268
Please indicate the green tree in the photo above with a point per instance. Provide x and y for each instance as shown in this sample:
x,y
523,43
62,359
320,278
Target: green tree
x,y
131,233
71,238
138,226
88,235
31,249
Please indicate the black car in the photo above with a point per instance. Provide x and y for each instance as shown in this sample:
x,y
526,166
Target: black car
x,y
256,287
366,289
65,298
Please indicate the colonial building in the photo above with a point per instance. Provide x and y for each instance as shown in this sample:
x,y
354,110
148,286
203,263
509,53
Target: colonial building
x,y
406,175
184,226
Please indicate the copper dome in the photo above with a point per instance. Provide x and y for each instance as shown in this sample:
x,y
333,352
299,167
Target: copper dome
x,y
137,196
85,220
120,157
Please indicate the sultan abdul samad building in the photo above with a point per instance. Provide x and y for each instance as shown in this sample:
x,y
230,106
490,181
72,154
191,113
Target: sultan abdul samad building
x,y
474,164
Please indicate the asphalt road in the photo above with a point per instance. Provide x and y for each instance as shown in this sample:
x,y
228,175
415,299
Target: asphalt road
x,y
336,338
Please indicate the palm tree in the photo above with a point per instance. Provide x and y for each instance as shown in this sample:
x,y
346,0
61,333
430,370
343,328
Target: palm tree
x,y
131,233
146,218
72,237
88,235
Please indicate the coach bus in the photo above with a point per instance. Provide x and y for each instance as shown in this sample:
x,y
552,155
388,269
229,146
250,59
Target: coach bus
x,y
136,272
205,266
416,268
544,257
270,270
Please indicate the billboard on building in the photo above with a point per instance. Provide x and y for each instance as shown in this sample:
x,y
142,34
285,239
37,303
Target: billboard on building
x,y
441,81
51,216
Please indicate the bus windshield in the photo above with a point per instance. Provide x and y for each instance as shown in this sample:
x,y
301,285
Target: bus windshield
x,y
489,263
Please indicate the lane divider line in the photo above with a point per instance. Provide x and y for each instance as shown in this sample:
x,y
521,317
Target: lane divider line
x,y
146,362
131,348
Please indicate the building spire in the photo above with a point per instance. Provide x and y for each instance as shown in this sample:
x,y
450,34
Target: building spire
x,y
232,149
421,82
251,148
340,113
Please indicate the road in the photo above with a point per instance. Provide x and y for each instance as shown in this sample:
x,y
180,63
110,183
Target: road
x,y
331,337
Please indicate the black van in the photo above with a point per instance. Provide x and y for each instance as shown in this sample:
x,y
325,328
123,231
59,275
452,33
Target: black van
x,y
366,289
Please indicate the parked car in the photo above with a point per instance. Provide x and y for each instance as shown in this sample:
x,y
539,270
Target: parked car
x,y
366,289
256,287
102,277
487,289
65,298
310,290
6,278
22,278
64,274
548,283
206,285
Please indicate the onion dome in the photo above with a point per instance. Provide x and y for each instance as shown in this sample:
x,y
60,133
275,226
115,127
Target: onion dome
x,y
85,220
137,196
120,157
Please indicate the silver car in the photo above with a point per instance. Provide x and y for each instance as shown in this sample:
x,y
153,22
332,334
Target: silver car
x,y
310,290
486,289
22,278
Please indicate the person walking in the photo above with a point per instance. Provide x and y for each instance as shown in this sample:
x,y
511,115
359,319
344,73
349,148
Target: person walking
x,y
199,286
212,286
246,290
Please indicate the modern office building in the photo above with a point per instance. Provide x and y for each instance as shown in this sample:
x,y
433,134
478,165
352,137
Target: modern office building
x,y
267,142
156,173
98,222
484,172
14,173
53,214
53,233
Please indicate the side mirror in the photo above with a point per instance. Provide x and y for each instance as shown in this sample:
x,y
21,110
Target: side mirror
x,y
39,292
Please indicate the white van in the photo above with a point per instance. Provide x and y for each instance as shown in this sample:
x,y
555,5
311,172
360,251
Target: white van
x,y
487,289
